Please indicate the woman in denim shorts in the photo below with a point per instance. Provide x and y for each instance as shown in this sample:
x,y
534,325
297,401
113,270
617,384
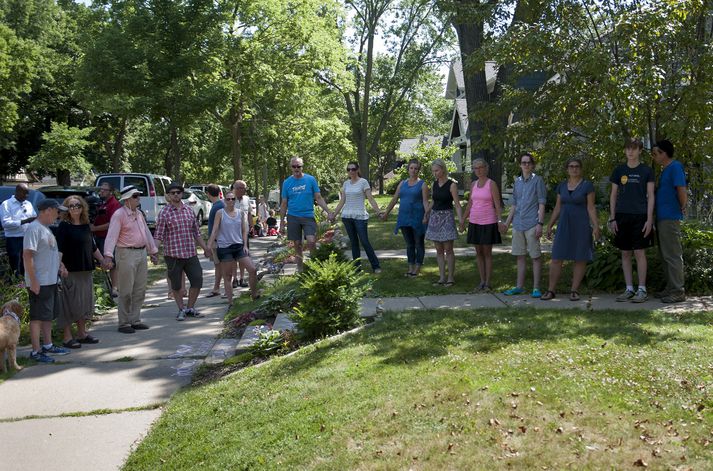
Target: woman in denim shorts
x,y
230,230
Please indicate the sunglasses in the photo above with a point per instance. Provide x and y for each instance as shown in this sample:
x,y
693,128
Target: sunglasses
x,y
296,166
175,192
136,196
573,166
229,199
75,206
351,169
526,162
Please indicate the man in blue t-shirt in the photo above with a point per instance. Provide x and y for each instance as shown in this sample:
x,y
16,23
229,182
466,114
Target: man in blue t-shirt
x,y
671,200
299,192
213,192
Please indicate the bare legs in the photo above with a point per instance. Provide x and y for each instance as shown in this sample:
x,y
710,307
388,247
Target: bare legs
x,y
522,270
299,254
577,275
446,258
484,259
641,266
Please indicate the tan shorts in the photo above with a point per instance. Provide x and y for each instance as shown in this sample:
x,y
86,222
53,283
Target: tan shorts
x,y
525,243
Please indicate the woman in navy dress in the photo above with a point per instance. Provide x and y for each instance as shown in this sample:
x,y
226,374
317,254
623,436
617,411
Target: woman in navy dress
x,y
413,194
577,223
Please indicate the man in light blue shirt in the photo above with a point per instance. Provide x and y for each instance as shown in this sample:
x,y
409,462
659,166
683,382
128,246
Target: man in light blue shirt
x,y
527,214
299,193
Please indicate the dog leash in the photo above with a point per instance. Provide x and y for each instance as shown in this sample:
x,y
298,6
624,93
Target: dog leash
x,y
8,312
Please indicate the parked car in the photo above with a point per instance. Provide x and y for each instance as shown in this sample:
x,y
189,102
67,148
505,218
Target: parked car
x,y
199,203
60,193
6,192
153,189
202,187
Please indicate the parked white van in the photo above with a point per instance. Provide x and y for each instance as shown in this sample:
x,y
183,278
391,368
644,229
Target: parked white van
x,y
152,188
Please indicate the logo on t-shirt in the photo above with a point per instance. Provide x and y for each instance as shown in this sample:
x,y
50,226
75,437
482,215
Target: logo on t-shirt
x,y
624,179
300,188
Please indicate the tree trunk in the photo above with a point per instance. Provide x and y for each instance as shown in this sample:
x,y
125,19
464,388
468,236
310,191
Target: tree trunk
x,y
173,164
117,155
64,178
362,148
236,137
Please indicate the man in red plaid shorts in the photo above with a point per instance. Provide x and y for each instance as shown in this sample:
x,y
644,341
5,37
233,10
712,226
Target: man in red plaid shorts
x,y
177,229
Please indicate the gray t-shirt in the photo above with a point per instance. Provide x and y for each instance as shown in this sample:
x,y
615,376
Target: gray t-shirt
x,y
41,241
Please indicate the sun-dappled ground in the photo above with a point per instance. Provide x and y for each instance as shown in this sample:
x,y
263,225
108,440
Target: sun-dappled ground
x,y
521,389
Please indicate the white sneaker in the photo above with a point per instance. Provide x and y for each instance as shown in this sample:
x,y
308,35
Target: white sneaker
x,y
181,315
640,296
625,296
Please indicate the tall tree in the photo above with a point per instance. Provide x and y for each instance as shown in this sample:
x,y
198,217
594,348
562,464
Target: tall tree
x,y
414,34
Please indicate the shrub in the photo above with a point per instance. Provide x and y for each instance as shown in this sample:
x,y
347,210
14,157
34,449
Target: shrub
x,y
325,250
332,291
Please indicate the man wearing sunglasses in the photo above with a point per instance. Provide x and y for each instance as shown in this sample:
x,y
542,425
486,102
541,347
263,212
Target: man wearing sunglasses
x,y
299,193
129,234
177,228
16,213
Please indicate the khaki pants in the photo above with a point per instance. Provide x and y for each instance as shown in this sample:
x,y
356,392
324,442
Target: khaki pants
x,y
132,271
669,232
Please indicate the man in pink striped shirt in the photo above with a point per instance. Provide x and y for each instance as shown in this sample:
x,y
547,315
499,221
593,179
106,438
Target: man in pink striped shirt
x,y
130,236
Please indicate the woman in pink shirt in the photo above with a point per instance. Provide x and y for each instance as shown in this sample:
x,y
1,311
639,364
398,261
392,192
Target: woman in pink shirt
x,y
483,212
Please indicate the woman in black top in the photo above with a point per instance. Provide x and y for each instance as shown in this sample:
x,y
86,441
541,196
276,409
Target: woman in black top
x,y
441,223
75,242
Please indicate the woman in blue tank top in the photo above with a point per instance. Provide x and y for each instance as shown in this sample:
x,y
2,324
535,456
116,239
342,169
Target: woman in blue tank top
x,y
413,194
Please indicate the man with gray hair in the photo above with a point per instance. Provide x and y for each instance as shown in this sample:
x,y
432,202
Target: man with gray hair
x,y
299,193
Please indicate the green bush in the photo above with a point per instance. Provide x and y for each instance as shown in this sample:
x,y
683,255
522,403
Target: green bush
x,y
325,250
605,273
426,154
332,292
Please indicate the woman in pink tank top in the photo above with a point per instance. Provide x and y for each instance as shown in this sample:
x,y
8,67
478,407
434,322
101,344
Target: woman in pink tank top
x,y
483,212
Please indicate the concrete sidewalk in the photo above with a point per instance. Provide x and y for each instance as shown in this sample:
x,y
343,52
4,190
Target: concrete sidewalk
x,y
498,300
123,371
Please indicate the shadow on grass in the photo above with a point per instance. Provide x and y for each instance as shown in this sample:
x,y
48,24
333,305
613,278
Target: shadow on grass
x,y
417,336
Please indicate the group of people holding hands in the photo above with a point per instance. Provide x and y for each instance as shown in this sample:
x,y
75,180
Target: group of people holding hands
x,y
637,208
120,239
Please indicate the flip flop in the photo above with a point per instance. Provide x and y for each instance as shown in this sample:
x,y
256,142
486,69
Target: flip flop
x,y
574,296
212,294
448,284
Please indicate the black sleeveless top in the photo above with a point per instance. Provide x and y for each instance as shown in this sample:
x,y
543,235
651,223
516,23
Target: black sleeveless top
x,y
442,198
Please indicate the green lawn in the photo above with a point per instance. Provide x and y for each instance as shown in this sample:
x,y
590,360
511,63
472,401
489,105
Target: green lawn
x,y
504,389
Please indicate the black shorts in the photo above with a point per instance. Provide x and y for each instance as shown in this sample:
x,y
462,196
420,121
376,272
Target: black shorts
x,y
629,235
44,306
232,252
191,266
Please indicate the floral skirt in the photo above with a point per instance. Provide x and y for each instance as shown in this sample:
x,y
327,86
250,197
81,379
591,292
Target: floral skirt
x,y
441,226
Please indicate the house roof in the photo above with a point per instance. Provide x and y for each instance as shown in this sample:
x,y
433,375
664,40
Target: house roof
x,y
408,146
455,85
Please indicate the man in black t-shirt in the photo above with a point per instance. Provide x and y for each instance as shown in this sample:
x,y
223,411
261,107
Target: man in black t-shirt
x,y
631,208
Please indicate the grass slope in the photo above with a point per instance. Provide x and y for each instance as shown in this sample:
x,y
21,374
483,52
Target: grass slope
x,y
460,390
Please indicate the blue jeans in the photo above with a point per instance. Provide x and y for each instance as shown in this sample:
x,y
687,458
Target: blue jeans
x,y
14,254
357,231
415,245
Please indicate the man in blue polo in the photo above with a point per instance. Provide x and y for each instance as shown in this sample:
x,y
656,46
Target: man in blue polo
x,y
299,193
671,200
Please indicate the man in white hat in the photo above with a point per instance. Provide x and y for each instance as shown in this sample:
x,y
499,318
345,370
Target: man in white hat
x,y
130,235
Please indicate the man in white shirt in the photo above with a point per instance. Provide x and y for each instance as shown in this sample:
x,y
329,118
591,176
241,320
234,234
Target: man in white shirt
x,y
16,213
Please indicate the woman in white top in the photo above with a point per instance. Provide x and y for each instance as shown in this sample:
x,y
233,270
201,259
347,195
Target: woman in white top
x,y
263,214
354,215
230,231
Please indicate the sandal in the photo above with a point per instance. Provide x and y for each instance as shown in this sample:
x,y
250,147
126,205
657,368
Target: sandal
x,y
574,296
548,295
72,343
408,274
438,283
212,294
448,284
88,339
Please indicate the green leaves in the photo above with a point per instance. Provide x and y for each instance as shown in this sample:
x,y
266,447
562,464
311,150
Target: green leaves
x,y
63,150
